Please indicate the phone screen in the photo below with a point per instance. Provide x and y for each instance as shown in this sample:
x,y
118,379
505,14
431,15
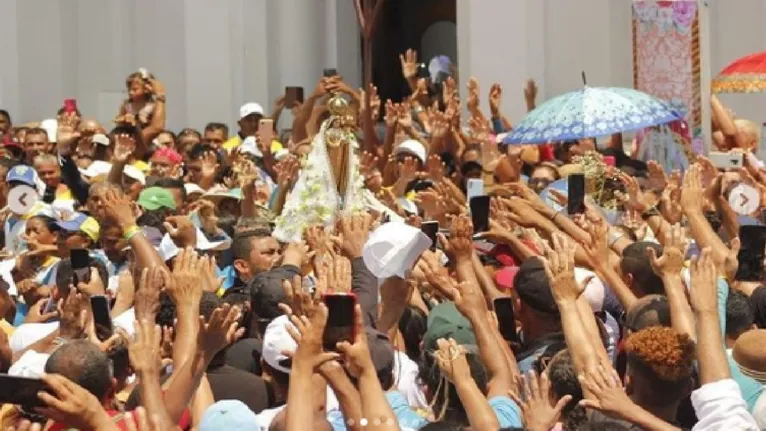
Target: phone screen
x,y
480,213
293,95
474,187
80,265
576,194
430,228
20,390
505,318
750,257
100,306
340,320
330,72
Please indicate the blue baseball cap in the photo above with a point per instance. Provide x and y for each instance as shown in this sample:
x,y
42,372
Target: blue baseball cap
x,y
230,415
79,222
23,174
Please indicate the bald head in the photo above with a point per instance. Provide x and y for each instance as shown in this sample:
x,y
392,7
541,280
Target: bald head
x,y
84,363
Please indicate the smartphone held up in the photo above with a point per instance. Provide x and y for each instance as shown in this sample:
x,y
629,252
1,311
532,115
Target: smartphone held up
x,y
340,320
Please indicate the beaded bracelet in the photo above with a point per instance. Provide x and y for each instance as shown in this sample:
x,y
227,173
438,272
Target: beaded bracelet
x,y
130,232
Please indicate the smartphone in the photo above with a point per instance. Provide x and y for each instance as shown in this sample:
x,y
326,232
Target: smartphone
x,y
329,72
506,321
20,390
99,304
423,72
750,256
726,160
474,187
70,105
81,265
576,194
265,125
293,95
340,320
430,228
480,213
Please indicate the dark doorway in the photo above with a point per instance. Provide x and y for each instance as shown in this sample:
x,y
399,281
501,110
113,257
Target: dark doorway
x,y
403,25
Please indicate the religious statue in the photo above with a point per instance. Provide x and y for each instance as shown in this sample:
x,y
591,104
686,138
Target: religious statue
x,y
329,184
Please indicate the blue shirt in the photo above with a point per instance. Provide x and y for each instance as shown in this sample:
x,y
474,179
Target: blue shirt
x,y
404,414
507,412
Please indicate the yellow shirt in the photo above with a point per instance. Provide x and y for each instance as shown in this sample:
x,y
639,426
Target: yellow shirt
x,y
141,166
236,141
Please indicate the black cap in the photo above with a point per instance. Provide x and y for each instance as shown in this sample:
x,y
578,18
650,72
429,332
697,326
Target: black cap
x,y
532,286
267,292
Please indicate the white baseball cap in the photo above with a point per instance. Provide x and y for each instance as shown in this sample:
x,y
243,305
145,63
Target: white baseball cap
x,y
192,188
98,167
413,147
276,340
134,173
101,139
393,248
250,108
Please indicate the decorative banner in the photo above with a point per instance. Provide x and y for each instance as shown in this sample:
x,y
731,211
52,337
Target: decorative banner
x,y
666,64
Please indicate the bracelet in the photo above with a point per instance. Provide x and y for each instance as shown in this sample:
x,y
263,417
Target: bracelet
x,y
651,212
130,232
614,237
58,341
555,214
160,98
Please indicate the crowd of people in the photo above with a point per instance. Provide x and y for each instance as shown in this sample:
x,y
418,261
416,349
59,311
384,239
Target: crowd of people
x,y
214,322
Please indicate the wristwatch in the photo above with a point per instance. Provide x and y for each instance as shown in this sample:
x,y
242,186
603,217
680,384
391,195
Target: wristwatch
x,y
651,212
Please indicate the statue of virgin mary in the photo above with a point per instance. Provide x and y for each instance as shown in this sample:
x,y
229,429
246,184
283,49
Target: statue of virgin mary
x,y
329,185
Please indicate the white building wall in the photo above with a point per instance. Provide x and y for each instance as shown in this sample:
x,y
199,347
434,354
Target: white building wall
x,y
213,55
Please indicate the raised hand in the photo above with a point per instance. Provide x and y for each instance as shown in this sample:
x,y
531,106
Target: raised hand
x,y
308,333
692,193
67,134
68,403
221,330
537,408
185,287
439,124
287,172
609,397
635,198
302,302
147,298
355,229
408,169
461,238
36,312
145,350
673,255
409,62
473,95
181,230
209,165
118,209
356,355
495,97
451,359
124,146
658,180
334,272
436,274
404,116
530,92
392,114
704,278
559,267
436,168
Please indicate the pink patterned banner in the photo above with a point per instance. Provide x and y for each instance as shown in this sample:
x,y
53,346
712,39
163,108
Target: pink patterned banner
x,y
667,65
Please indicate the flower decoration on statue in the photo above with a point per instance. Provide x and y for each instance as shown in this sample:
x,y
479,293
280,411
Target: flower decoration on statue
x,y
602,185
